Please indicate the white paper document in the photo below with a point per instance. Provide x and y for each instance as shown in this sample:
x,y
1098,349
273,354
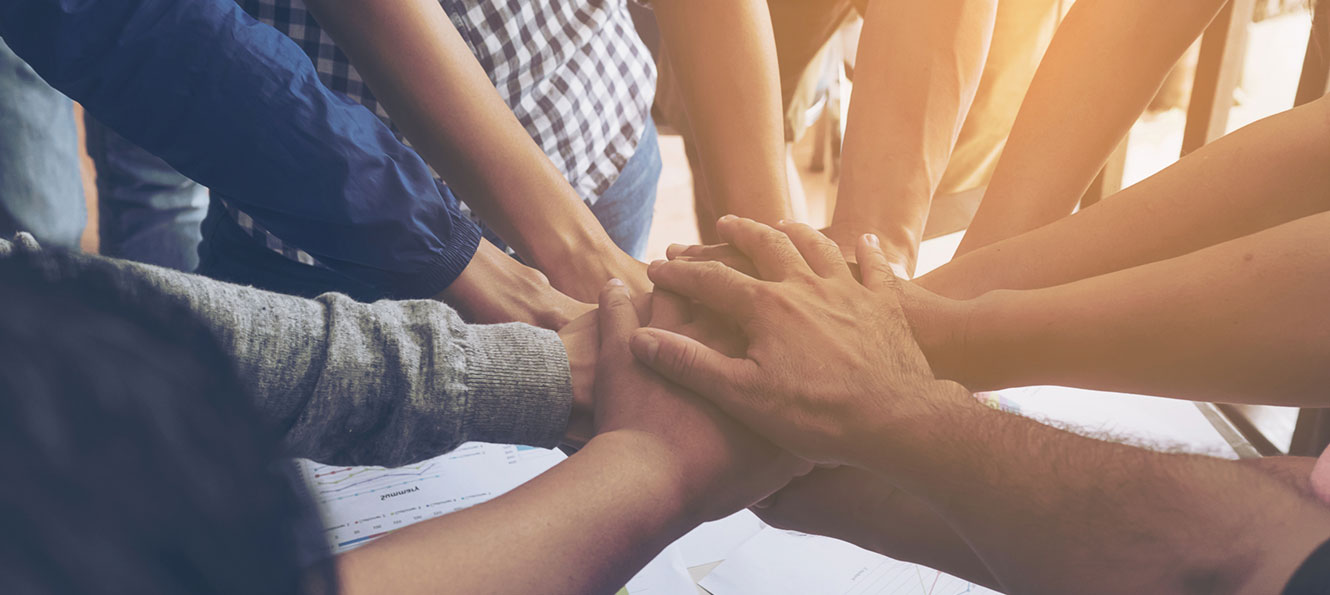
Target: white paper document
x,y
776,562
358,504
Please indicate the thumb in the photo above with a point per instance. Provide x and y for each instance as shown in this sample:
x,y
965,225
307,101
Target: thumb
x,y
616,317
701,369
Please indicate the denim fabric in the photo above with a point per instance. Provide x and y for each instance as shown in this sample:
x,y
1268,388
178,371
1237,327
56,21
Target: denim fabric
x,y
148,212
626,209
230,254
237,106
41,190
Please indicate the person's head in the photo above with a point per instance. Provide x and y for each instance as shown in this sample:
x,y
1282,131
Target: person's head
x,y
131,459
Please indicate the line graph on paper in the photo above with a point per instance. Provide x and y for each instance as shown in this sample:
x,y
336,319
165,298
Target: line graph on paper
x,y
890,577
358,504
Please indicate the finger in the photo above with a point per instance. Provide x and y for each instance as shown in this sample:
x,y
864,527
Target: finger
x,y
669,310
616,317
771,251
724,380
675,250
874,270
821,254
725,254
712,284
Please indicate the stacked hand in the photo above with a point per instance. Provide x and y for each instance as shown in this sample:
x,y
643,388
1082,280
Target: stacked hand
x,y
831,367
720,467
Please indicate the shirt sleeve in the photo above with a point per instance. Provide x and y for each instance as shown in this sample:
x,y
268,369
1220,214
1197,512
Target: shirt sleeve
x,y
349,383
235,105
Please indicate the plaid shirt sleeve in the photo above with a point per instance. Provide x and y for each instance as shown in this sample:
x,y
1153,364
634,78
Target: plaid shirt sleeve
x,y
237,106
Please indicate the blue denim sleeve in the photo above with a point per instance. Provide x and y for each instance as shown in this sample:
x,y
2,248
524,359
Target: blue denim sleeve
x,y
235,105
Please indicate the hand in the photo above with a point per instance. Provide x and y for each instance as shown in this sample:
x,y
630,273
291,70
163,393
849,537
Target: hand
x,y
583,277
581,341
496,288
719,466
831,366
901,261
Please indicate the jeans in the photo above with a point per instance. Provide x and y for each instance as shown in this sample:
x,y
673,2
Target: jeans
x,y
228,253
41,190
148,212
625,209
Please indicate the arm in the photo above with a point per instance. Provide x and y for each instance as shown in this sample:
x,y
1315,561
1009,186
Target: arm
x,y
918,71
664,461
1095,518
725,57
238,107
1265,174
1243,321
387,383
1105,64
456,119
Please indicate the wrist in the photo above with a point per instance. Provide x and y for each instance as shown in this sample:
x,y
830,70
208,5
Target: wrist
x,y
662,475
580,343
912,435
941,327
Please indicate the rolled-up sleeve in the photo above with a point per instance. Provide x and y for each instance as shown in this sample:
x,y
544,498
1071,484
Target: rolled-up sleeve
x,y
235,105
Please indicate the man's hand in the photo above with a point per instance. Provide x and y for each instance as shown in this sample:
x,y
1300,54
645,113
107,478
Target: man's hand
x,y
719,466
496,288
866,373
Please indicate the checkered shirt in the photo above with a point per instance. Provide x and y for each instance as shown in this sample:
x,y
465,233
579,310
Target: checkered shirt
x,y
574,72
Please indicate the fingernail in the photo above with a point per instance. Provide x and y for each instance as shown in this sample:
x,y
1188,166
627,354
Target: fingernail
x,y
647,346
675,248
872,240
616,283
783,222
727,219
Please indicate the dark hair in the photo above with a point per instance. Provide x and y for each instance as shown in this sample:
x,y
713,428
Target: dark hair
x,y
133,462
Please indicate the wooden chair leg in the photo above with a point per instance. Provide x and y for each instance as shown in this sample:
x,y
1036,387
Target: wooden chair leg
x,y
1315,80
1223,48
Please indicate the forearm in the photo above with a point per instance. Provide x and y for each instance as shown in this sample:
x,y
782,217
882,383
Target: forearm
x,y
460,124
1242,321
1105,64
1097,517
1265,174
918,71
359,384
585,526
725,57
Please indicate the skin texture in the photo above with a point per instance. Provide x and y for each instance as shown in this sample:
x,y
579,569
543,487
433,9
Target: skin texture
x,y
495,288
460,125
1055,124
724,56
917,74
1097,518
662,462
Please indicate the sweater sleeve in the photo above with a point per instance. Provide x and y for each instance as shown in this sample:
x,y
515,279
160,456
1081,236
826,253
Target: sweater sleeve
x,y
349,383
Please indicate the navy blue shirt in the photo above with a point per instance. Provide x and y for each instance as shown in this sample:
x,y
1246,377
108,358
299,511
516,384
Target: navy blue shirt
x,y
238,107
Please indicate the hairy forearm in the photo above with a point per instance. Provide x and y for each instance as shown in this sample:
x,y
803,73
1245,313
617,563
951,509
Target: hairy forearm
x,y
1106,62
918,71
1243,321
459,123
585,526
725,57
1062,513
1265,174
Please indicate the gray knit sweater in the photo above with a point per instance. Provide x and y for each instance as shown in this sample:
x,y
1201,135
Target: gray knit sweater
x,y
368,384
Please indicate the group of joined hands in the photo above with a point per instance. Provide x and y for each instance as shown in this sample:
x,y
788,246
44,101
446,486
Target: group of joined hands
x,y
769,372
